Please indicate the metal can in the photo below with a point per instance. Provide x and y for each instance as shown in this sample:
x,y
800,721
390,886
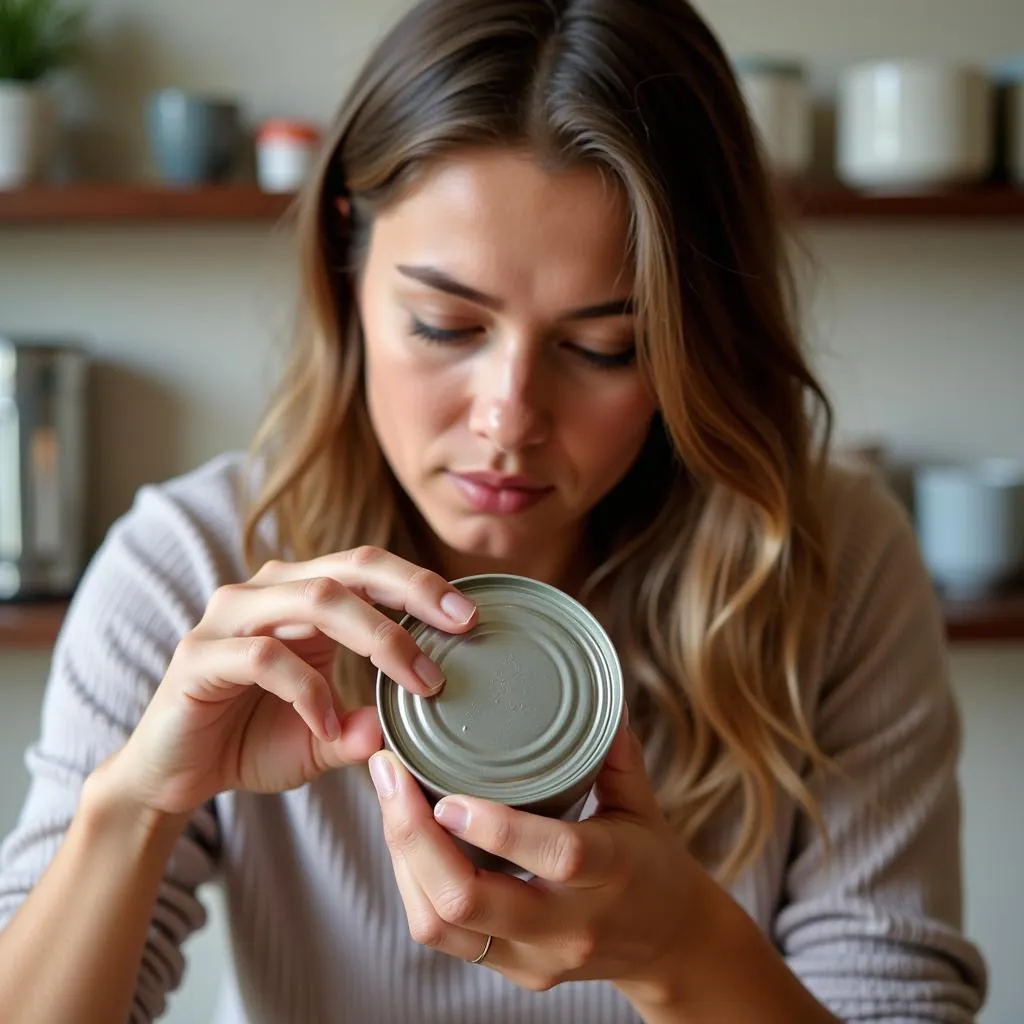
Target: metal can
x,y
531,704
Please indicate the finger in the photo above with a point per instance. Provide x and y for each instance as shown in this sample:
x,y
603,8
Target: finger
x,y
425,927
623,784
288,742
460,894
249,610
569,853
382,578
359,738
263,661
428,929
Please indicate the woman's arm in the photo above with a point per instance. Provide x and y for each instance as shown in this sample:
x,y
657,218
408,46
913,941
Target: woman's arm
x,y
726,970
89,913
94,901
872,925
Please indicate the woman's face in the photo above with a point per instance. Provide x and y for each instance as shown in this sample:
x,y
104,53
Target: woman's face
x,y
501,377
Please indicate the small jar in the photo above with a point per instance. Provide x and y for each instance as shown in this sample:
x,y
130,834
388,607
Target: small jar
x,y
285,151
778,99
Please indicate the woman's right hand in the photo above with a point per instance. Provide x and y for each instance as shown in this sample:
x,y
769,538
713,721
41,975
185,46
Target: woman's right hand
x,y
246,702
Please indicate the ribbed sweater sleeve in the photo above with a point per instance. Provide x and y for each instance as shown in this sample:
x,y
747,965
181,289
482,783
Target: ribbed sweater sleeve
x,y
871,924
143,590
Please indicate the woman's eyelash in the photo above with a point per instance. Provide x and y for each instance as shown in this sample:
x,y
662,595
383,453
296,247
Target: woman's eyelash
x,y
438,334
599,360
607,361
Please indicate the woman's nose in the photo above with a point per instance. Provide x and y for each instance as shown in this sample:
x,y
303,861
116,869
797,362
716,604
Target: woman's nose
x,y
509,408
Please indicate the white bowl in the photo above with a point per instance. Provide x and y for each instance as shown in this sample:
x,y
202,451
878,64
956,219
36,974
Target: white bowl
x,y
970,524
914,124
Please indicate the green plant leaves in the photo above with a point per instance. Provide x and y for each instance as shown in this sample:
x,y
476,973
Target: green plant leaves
x,y
36,37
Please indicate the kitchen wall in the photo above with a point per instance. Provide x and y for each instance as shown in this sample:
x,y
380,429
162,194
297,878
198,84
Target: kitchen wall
x,y
918,330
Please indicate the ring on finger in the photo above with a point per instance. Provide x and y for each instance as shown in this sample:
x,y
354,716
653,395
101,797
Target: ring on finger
x,y
483,953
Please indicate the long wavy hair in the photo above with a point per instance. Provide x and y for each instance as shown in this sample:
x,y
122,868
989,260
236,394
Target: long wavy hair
x,y
711,562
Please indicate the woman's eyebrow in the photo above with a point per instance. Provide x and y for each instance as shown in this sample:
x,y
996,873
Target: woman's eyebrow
x,y
439,280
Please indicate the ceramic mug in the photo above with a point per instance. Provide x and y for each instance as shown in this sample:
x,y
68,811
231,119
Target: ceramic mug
x,y
193,139
970,524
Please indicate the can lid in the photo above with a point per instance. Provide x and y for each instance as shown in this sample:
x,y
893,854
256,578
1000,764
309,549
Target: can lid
x,y
531,704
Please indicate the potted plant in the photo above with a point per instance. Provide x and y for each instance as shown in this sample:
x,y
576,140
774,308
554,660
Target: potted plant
x,y
36,38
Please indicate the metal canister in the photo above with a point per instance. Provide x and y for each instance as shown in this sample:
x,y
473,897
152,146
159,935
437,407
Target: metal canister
x,y
531,704
43,421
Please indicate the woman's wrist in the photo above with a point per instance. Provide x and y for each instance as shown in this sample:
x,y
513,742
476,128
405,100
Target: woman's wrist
x,y
667,978
721,967
111,803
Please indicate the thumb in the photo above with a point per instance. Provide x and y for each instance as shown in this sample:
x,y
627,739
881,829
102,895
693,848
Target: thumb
x,y
623,784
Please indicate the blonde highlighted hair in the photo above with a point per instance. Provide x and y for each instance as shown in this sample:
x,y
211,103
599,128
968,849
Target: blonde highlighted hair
x,y
711,561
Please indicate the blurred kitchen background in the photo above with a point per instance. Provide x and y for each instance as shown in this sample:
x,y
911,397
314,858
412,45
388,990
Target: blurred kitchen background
x,y
180,296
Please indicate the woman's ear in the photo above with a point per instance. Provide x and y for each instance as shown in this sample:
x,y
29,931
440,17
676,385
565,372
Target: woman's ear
x,y
344,207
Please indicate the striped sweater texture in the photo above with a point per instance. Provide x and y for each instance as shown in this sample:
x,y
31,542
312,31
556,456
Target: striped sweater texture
x,y
318,931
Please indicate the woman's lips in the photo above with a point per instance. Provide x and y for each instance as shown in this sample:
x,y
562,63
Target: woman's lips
x,y
497,497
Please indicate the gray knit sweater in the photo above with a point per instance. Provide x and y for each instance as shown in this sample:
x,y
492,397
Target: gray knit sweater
x,y
317,927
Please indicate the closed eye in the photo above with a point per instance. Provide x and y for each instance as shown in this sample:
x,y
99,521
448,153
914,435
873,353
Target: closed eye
x,y
441,335
598,360
605,360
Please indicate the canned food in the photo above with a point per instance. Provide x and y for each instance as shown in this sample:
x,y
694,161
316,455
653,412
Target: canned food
x,y
531,704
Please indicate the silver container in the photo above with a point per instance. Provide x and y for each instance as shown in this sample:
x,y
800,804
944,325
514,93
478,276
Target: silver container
x,y
42,467
531,705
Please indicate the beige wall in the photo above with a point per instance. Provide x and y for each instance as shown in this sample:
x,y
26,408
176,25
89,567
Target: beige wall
x,y
919,331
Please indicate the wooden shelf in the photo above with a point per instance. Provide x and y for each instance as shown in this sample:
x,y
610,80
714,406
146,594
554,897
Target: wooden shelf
x,y
31,626
129,204
837,203
34,626
987,619
98,204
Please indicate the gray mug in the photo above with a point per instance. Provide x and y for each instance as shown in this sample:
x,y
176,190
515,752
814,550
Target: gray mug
x,y
193,139
970,521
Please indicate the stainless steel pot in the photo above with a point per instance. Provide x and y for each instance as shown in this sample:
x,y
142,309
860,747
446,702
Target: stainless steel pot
x,y
42,466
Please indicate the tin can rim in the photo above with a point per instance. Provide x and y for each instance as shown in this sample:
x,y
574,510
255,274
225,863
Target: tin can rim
x,y
589,765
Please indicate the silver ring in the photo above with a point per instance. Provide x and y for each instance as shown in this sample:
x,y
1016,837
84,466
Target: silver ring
x,y
485,951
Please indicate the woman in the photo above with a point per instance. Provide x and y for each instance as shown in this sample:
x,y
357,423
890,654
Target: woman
x,y
547,330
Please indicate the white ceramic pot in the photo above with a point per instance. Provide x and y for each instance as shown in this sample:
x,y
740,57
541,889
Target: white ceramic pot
x,y
26,132
970,524
914,124
779,102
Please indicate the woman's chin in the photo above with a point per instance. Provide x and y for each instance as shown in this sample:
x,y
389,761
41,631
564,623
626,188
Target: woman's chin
x,y
502,543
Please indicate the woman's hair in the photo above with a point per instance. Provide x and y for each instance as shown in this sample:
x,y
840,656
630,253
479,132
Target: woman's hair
x,y
710,557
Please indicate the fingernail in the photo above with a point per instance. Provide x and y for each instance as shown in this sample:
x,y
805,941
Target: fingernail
x,y
383,776
431,676
458,608
453,815
625,713
331,725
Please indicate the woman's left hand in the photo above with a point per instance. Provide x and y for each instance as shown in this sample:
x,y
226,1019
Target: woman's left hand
x,y
608,899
